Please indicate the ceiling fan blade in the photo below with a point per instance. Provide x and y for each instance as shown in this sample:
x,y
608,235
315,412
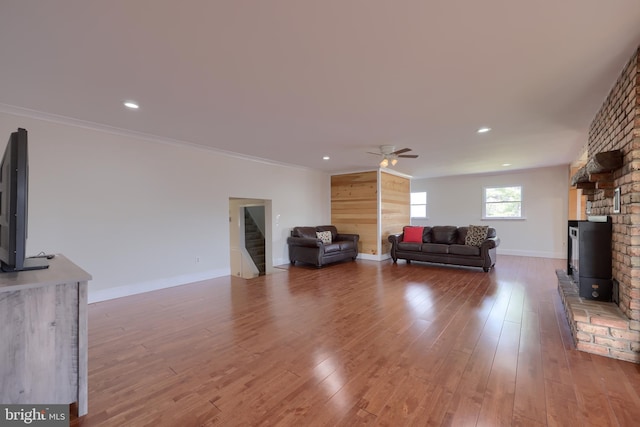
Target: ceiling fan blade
x,y
375,154
408,156
403,150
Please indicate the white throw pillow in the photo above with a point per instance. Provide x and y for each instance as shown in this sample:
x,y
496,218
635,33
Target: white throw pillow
x,y
325,236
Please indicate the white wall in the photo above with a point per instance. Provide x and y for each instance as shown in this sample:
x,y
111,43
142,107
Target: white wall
x,y
458,201
136,213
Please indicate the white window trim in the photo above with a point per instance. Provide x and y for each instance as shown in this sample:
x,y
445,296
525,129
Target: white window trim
x,y
501,218
426,206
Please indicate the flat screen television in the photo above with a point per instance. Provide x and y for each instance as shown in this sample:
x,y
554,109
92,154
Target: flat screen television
x,y
14,198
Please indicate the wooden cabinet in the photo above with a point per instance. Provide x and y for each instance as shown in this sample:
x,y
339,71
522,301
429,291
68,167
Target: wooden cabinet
x,y
43,335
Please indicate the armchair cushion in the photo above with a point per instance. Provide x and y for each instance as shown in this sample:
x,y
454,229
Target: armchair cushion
x,y
331,247
347,245
306,232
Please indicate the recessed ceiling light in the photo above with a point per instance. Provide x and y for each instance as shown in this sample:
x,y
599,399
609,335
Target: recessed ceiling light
x,y
326,158
483,130
506,164
131,104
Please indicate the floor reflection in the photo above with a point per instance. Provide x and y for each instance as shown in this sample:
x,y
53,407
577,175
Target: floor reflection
x,y
328,372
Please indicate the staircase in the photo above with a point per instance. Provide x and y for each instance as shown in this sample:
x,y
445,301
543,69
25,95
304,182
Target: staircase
x,y
254,242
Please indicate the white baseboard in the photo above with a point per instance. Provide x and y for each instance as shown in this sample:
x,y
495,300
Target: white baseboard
x,y
280,261
374,257
153,285
535,254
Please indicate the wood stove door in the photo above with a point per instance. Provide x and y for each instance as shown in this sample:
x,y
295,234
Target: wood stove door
x,y
596,289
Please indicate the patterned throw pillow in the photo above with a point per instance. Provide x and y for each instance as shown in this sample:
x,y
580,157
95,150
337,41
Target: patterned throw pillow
x,y
325,236
476,234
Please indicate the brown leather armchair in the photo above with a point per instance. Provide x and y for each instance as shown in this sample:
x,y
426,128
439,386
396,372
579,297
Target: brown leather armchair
x,y
305,246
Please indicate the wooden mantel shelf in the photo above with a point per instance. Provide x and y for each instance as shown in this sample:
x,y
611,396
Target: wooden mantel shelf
x,y
596,174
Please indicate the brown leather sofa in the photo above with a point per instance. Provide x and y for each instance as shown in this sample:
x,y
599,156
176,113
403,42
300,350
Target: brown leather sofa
x,y
446,245
305,246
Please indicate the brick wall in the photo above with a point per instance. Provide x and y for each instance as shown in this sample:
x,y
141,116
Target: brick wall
x,y
605,328
617,127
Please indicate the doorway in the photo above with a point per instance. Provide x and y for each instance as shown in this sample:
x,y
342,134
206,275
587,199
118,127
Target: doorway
x,y
250,237
254,241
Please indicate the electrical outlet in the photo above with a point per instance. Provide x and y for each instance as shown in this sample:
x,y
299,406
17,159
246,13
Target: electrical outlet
x,y
197,259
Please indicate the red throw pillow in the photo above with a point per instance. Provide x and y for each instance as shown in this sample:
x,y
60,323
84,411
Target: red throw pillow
x,y
413,234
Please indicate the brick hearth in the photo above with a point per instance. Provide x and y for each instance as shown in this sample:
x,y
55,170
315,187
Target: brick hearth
x,y
599,327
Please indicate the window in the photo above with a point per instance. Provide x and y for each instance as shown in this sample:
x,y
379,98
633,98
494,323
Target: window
x,y
419,205
502,202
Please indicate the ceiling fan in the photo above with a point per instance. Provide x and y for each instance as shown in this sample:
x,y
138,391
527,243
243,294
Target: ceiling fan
x,y
389,154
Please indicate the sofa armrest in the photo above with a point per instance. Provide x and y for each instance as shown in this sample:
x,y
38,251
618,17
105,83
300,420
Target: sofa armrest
x,y
490,243
304,242
395,238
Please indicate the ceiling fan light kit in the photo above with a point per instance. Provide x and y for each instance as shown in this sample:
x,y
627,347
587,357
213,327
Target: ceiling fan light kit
x,y
389,154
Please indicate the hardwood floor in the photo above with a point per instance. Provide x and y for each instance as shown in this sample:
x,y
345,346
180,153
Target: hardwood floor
x,y
353,344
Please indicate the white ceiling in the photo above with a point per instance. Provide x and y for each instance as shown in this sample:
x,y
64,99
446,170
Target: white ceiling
x,y
291,81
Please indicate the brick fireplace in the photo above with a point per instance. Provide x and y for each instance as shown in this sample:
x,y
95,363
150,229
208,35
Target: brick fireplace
x,y
611,329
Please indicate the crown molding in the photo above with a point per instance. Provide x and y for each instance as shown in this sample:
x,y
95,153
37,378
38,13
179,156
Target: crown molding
x,y
98,127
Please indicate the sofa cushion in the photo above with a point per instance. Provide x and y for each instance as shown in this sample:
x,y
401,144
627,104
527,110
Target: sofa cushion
x,y
476,234
332,247
409,246
462,235
464,250
445,234
347,244
325,236
306,232
426,235
413,234
435,248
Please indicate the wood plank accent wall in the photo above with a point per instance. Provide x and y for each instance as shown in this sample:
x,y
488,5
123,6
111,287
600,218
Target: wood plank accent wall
x,y
395,204
354,207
